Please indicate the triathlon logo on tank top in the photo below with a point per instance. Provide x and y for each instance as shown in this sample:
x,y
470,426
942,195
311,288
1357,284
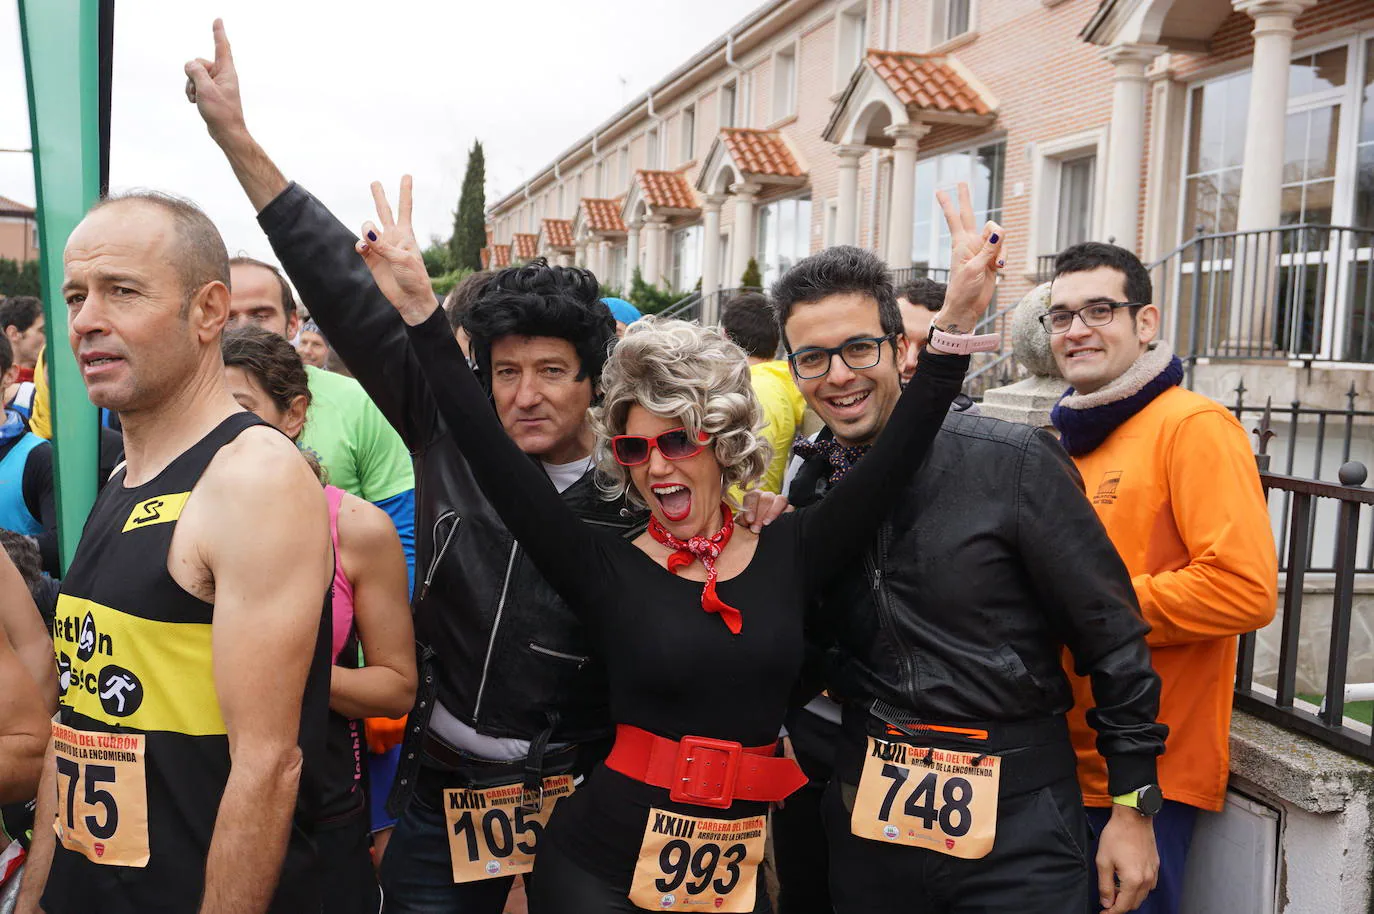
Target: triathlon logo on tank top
x,y
160,509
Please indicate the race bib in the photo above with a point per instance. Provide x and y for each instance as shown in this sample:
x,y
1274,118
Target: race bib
x,y
691,864
491,834
102,795
938,799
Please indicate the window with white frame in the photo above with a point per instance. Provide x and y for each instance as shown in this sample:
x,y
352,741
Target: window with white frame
x,y
982,169
952,18
1216,151
852,38
784,236
688,137
728,93
1074,213
1364,150
686,258
785,83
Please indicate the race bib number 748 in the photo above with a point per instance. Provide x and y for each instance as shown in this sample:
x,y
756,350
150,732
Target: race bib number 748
x,y
102,795
939,799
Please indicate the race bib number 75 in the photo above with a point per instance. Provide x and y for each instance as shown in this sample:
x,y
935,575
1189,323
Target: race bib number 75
x,y
102,795
938,799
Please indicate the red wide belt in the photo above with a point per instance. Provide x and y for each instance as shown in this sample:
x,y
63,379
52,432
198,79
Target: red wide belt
x,y
704,771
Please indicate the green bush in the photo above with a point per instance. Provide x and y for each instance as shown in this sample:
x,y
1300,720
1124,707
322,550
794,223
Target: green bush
x,y
648,299
438,258
752,278
20,279
444,283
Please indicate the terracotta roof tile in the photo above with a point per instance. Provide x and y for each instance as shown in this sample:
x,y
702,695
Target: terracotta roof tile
x,y
927,82
667,189
15,207
602,215
524,246
500,256
760,152
558,233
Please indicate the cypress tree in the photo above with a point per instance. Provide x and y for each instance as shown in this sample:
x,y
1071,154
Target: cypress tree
x,y
469,223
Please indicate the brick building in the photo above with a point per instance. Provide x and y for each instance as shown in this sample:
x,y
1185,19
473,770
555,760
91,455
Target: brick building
x,y
815,122
18,231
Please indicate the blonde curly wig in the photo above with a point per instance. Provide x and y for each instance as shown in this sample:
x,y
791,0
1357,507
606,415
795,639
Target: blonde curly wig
x,y
685,372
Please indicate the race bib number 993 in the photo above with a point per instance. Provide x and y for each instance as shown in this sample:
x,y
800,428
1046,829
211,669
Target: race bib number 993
x,y
941,800
102,795
490,833
691,864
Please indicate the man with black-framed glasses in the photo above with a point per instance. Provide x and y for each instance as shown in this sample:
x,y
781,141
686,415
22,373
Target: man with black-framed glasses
x,y
947,641
1172,478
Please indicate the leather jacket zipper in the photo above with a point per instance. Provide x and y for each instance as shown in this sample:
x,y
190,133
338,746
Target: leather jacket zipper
x,y
495,628
439,549
874,562
561,655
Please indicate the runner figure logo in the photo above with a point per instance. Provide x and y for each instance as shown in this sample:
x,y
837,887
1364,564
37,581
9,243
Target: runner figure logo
x,y
120,691
85,645
64,672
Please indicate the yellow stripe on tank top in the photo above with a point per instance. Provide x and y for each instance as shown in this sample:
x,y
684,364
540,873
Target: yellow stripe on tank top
x,y
128,671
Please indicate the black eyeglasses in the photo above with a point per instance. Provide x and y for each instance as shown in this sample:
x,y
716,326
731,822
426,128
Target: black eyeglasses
x,y
1098,314
814,361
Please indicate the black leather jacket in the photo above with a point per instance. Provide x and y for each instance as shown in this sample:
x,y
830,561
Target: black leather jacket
x,y
507,650
990,561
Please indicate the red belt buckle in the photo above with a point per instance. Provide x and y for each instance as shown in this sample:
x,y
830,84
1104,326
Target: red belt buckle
x,y
706,771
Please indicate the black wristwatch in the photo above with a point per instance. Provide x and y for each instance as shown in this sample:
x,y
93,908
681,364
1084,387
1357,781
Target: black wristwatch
x,y
1147,800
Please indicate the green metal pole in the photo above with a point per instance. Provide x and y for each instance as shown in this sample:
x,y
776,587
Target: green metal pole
x,y
61,58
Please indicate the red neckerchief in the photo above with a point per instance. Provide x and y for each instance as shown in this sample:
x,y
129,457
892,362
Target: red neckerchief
x,y
708,549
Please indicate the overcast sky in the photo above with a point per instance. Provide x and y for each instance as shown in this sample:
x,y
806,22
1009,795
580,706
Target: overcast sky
x,y
346,92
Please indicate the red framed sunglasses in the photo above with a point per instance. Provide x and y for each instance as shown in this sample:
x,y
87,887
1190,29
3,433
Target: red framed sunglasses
x,y
674,444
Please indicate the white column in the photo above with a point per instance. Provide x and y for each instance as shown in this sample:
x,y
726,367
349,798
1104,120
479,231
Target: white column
x,y
631,254
603,259
1168,127
653,250
847,207
1126,141
580,255
746,195
905,138
1262,175
710,242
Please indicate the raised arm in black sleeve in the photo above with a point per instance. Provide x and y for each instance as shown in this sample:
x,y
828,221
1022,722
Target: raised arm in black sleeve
x,y
316,250
836,530
1078,575
569,553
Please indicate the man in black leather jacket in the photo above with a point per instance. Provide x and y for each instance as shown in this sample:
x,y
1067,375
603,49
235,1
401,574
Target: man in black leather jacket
x,y
509,692
949,637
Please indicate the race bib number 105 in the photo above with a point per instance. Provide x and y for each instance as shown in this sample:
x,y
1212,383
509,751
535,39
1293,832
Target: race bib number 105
x,y
102,795
941,800
491,834
691,864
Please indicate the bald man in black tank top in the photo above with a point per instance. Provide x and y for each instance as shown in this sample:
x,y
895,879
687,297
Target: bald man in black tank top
x,y
190,631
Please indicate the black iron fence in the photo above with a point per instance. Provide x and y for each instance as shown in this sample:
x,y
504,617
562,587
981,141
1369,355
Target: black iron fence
x,y
1281,704
1298,292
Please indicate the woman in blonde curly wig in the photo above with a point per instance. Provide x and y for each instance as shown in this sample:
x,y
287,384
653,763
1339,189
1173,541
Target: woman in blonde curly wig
x,y
680,369
699,622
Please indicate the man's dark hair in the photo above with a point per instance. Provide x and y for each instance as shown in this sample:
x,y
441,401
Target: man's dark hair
x,y
835,271
462,296
20,312
288,301
6,354
1090,255
925,292
535,299
27,561
751,325
200,254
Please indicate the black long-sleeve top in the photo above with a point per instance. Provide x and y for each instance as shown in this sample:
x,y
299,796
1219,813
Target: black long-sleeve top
x,y
674,669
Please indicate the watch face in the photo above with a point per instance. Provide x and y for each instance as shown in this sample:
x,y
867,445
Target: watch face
x,y
1150,800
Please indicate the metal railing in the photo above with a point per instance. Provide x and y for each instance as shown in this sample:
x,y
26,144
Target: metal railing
x,y
908,274
1044,268
1327,723
1297,292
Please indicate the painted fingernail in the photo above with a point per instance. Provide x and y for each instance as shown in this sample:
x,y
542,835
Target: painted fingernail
x,y
372,236
364,247
1001,263
994,238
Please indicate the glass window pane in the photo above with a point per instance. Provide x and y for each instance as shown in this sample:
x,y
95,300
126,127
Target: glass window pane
x,y
1075,202
1236,92
1294,148
1228,199
1317,202
992,160
1364,187
1199,207
1328,69
1323,133
1206,134
1367,107
1300,80
1290,206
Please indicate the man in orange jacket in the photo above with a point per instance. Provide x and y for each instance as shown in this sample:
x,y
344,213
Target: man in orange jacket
x,y
1172,478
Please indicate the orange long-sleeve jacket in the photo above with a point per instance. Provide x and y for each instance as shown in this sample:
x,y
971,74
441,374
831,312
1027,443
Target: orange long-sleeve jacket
x,y
1177,489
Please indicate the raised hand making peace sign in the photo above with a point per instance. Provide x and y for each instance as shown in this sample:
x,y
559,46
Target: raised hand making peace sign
x,y
393,256
975,259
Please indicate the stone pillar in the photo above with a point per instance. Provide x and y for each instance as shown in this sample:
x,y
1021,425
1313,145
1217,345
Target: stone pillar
x,y
653,250
847,208
603,259
580,256
901,213
631,254
1126,141
746,195
1029,400
1168,104
1262,175
710,254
